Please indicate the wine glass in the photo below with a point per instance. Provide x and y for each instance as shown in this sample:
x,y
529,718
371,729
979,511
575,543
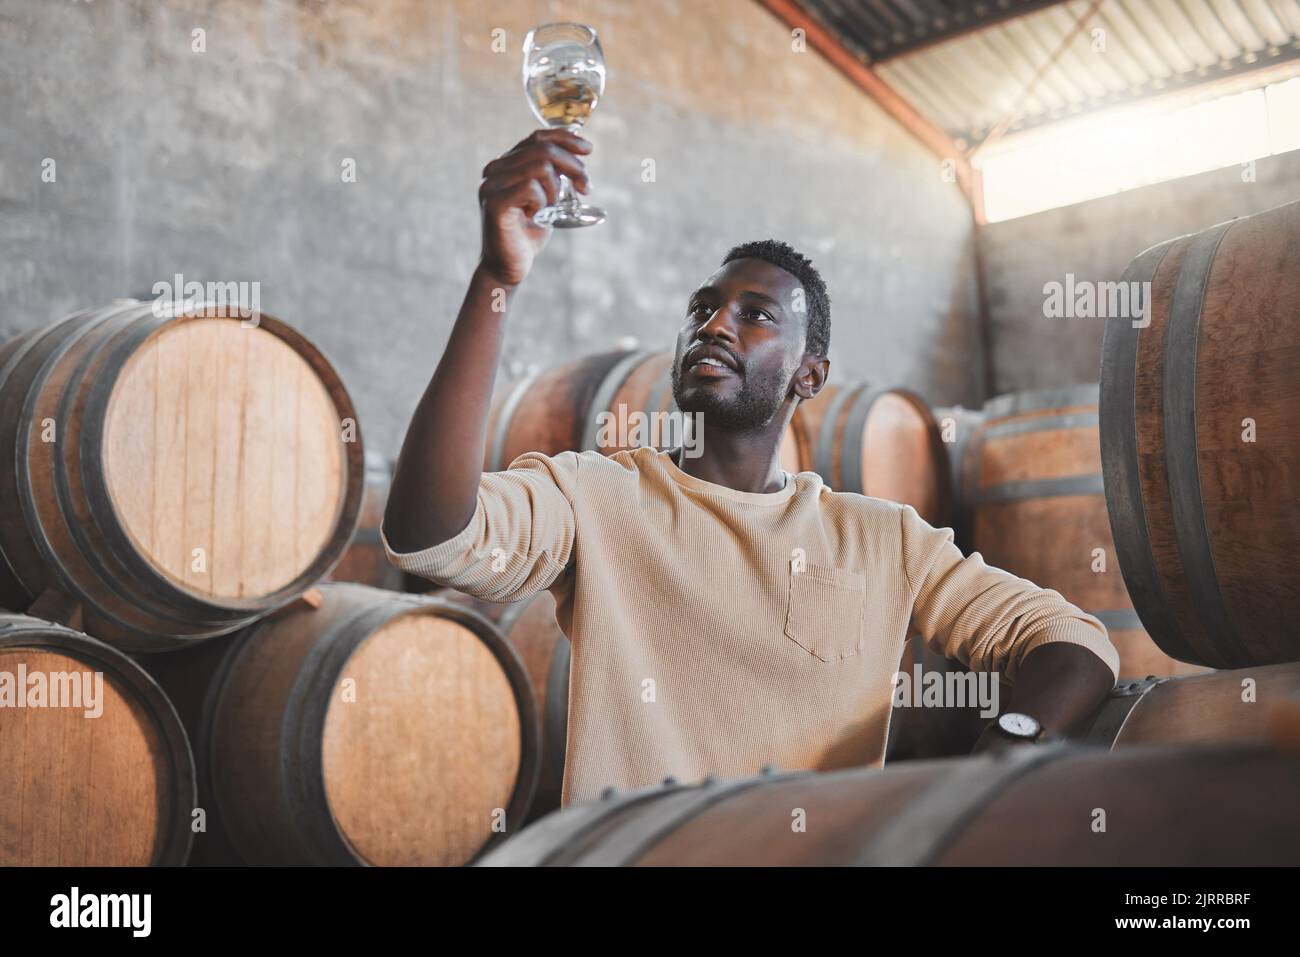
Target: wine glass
x,y
564,77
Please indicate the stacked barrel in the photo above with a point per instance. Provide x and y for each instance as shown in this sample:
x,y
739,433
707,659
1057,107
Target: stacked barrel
x,y
1200,448
1164,806
103,775
174,478
363,727
365,560
531,628
1034,504
178,486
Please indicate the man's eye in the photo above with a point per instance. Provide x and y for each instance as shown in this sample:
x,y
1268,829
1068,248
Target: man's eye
x,y
697,307
760,316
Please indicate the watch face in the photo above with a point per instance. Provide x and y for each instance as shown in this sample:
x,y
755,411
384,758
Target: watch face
x,y
1020,725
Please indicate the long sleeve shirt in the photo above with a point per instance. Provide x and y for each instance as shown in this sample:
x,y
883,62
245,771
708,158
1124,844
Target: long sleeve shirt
x,y
716,631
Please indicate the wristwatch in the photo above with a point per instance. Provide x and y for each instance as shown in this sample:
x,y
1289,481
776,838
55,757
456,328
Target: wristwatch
x,y
1018,727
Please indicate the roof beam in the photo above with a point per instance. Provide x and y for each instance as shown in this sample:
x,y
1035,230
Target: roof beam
x,y
885,96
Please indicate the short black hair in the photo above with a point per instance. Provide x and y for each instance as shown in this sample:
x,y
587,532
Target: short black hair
x,y
800,266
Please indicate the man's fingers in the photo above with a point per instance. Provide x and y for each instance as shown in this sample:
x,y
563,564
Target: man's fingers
x,y
542,173
532,197
566,138
551,142
509,167
526,193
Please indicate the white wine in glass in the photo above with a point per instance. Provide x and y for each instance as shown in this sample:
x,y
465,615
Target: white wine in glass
x,y
564,79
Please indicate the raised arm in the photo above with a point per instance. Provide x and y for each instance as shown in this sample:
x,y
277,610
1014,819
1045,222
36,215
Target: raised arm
x,y
436,481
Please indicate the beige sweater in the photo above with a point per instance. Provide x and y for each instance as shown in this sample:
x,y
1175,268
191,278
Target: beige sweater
x,y
716,631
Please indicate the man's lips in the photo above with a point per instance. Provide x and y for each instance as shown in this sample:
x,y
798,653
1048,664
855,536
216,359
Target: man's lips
x,y
705,350
710,362
706,370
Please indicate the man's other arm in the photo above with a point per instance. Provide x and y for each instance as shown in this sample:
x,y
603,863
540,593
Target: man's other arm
x,y
1059,658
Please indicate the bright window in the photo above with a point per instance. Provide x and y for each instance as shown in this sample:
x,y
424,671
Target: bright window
x,y
1089,157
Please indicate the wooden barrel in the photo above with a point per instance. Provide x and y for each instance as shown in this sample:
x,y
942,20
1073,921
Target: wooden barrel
x,y
1026,806
87,783
1200,447
879,442
559,409
175,478
641,383
365,561
532,630
1032,488
1215,707
377,728
552,411
956,426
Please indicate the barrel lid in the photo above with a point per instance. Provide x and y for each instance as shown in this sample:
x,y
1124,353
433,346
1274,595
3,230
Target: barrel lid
x,y
1034,400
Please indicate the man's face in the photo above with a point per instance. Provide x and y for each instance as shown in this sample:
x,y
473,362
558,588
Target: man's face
x,y
742,316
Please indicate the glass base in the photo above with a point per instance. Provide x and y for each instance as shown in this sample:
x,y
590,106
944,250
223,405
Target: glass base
x,y
569,217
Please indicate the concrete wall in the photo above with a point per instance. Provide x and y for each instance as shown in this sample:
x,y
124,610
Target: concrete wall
x,y
1095,241
225,165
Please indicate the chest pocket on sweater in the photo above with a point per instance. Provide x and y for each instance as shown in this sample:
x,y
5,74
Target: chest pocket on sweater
x,y
824,614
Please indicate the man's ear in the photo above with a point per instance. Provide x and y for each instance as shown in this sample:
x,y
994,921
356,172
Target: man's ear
x,y
812,375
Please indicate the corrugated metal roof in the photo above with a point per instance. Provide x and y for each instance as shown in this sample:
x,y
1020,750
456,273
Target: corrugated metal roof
x,y
971,83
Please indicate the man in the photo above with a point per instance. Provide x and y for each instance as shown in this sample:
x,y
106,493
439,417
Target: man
x,y
723,613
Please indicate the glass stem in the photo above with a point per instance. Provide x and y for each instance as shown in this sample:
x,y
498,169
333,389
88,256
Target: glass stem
x,y
567,200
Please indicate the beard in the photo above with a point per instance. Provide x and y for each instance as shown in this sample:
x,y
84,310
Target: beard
x,y
753,407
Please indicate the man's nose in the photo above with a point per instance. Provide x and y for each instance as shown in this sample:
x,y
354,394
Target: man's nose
x,y
720,325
